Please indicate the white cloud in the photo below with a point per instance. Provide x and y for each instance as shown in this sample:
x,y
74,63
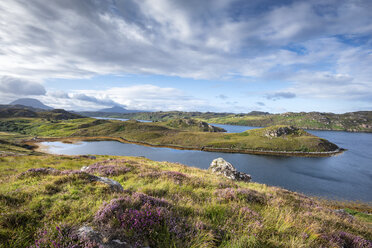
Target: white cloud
x,y
310,44
138,97
19,86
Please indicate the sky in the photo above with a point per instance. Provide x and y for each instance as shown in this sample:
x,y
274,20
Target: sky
x,y
212,55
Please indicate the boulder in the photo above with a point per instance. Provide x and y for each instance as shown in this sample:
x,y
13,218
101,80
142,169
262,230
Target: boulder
x,y
87,234
220,166
114,185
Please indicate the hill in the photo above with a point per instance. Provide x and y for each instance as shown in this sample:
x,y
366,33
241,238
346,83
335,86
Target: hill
x,y
276,140
52,201
16,111
30,102
360,121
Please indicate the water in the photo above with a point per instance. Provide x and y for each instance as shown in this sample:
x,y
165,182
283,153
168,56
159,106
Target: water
x,y
347,176
119,119
233,128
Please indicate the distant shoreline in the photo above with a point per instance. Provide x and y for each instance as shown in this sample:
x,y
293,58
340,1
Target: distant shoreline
x,y
42,148
310,129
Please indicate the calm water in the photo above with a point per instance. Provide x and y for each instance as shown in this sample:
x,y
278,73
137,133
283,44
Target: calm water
x,y
345,176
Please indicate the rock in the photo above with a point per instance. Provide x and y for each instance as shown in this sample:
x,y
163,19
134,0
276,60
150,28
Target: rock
x,y
343,213
88,156
220,166
114,185
87,234
281,131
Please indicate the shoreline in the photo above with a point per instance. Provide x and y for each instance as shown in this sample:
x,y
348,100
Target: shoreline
x,y
35,143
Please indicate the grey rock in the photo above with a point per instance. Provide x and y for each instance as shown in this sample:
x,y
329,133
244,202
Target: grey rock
x,y
87,234
114,185
343,213
220,166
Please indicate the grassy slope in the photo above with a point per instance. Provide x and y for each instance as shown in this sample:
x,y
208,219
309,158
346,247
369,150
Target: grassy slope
x,y
219,212
345,122
160,134
354,121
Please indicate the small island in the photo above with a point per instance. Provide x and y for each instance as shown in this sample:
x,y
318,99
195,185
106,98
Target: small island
x,y
181,133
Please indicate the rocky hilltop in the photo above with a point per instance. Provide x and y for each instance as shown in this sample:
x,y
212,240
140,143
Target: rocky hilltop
x,y
193,125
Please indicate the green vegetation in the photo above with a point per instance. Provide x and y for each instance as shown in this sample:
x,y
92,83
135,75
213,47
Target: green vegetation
x,y
181,206
173,133
9,111
354,121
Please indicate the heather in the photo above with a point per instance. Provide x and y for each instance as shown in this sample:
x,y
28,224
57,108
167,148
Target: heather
x,y
46,200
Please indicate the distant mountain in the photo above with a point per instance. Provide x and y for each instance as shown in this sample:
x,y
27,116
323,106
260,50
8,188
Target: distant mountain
x,y
117,109
30,102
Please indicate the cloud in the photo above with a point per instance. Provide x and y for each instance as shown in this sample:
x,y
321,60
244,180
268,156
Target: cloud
x,y
103,101
139,97
213,39
222,96
19,86
280,95
313,49
260,103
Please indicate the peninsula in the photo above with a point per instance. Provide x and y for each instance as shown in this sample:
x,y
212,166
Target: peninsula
x,y
177,133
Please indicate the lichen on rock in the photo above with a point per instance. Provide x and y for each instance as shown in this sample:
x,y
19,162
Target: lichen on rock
x,y
220,166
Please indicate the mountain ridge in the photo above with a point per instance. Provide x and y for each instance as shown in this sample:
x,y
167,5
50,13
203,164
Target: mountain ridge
x,y
31,102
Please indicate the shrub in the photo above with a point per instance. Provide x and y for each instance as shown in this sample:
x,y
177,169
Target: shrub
x,y
108,168
142,220
60,236
347,240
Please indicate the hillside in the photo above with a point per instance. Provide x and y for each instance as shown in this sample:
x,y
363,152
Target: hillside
x,y
354,121
10,111
30,102
47,201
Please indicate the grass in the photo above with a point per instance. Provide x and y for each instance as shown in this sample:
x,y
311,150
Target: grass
x,y
166,134
354,121
189,207
320,121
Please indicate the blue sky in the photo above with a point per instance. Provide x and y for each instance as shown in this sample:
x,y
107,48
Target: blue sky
x,y
212,55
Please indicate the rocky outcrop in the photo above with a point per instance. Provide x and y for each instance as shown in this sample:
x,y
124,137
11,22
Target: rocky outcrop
x,y
280,131
188,123
220,166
